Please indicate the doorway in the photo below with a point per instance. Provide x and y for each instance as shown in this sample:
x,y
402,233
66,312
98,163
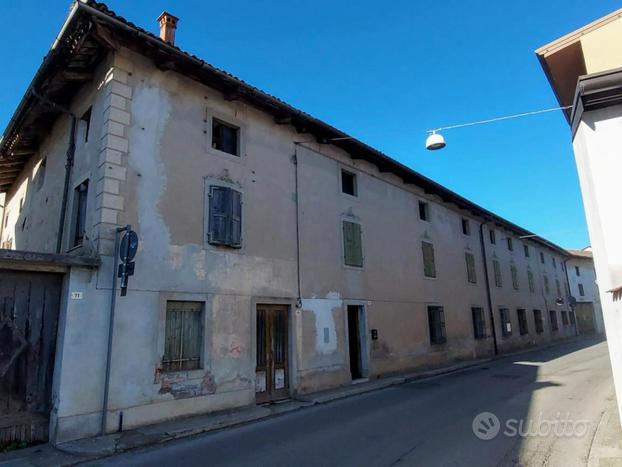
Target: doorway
x,y
356,342
272,370
585,317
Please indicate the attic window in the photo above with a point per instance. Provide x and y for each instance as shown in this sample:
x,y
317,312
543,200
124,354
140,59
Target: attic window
x,y
348,183
225,137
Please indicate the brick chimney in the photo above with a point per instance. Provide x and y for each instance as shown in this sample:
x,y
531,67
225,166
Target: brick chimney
x,y
168,25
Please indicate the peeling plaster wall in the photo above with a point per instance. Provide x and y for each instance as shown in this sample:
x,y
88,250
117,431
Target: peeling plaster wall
x,y
154,166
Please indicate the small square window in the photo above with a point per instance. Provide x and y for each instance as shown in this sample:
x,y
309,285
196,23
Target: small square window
x,y
526,249
424,213
348,183
510,245
183,339
225,137
466,226
493,237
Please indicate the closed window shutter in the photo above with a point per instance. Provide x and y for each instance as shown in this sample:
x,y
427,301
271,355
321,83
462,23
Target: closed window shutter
x,y
530,279
514,277
235,225
219,207
470,264
497,270
353,250
429,268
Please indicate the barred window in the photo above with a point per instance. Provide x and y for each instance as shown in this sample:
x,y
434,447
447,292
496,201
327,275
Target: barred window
x,y
537,317
553,319
183,336
523,328
479,325
506,324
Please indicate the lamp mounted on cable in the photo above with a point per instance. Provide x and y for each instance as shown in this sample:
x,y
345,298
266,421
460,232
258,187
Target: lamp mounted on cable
x,y
436,140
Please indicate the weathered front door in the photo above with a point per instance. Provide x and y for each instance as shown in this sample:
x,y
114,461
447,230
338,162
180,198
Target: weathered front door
x,y
29,305
272,373
585,318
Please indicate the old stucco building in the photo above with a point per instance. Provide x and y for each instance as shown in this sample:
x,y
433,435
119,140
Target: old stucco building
x,y
584,69
584,288
277,255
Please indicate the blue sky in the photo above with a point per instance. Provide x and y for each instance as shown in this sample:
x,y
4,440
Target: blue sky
x,y
384,72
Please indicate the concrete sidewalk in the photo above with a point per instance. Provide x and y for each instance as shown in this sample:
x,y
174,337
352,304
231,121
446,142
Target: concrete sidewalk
x,y
75,452
606,447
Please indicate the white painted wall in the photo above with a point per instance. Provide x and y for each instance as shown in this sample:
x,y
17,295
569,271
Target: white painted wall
x,y
591,293
597,145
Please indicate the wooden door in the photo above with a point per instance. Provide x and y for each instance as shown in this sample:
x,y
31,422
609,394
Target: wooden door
x,y
272,371
29,305
585,317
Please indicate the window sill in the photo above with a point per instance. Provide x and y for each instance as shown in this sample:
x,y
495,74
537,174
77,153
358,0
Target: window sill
x,y
186,374
233,157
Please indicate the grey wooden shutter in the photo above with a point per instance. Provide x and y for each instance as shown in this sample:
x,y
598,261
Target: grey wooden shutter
x,y
470,264
514,273
532,287
352,245
429,268
219,209
497,271
235,221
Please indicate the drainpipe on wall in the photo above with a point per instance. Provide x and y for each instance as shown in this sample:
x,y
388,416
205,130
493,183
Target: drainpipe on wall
x,y
71,150
488,293
295,162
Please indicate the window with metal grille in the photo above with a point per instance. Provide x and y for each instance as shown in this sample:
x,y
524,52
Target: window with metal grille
x,y
79,213
523,327
565,318
546,284
424,213
183,340
553,319
537,317
479,325
526,250
493,237
429,266
348,183
532,286
581,290
497,271
225,217
506,324
514,274
352,244
225,137
466,226
470,267
436,323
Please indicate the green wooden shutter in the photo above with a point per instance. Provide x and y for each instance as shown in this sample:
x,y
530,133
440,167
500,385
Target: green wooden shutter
x,y
470,265
497,271
352,244
429,268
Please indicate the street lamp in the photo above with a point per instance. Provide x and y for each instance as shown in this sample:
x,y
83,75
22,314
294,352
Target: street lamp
x,y
436,141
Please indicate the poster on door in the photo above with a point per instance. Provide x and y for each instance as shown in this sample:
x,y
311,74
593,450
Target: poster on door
x,y
260,381
279,378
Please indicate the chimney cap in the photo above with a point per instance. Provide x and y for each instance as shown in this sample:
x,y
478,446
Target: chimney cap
x,y
166,15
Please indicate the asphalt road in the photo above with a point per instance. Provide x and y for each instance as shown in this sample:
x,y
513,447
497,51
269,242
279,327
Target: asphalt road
x,y
558,393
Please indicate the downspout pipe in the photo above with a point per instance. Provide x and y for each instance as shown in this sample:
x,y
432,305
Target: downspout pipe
x,y
71,151
488,292
570,305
